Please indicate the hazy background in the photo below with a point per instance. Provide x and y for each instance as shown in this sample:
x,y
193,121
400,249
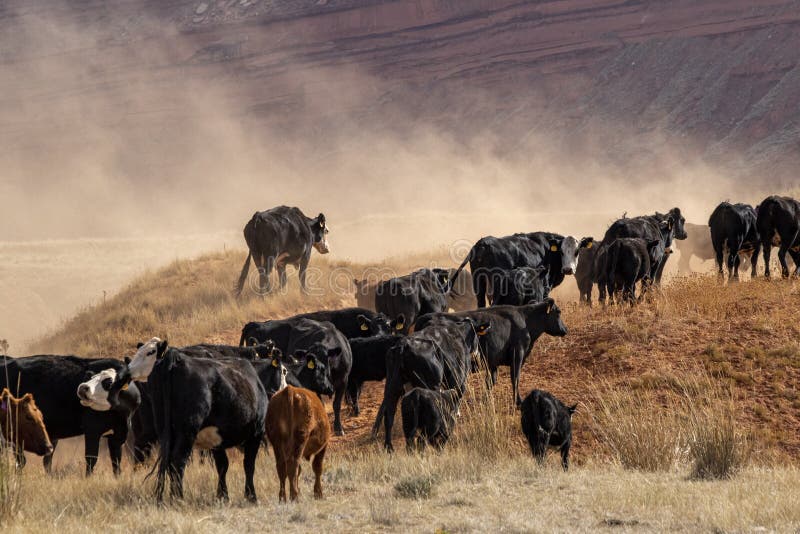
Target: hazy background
x,y
137,132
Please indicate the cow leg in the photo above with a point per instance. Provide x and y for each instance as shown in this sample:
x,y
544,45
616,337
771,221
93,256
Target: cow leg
x,y
91,443
767,250
281,270
719,251
115,453
736,262
250,454
516,368
264,271
293,465
390,408
221,462
317,466
782,258
796,259
280,467
302,272
178,458
754,260
47,460
378,419
338,395
480,289
565,455
660,269
355,394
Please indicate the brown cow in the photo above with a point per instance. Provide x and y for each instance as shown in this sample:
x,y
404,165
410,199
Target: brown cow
x,y
21,423
297,425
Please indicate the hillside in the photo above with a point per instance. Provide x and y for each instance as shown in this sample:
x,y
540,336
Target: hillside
x,y
695,341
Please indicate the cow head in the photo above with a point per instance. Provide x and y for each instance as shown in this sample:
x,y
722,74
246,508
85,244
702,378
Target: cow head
x,y
93,393
21,423
319,231
275,379
263,350
314,368
678,222
568,248
145,358
379,325
553,325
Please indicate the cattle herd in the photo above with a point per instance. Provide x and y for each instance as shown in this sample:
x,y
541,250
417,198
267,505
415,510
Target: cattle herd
x,y
422,334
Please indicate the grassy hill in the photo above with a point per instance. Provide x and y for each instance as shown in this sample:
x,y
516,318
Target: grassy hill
x,y
699,383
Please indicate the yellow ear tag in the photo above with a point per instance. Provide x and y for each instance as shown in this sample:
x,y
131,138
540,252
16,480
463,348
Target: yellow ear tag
x,y
274,362
364,327
554,248
399,326
482,332
590,244
311,364
125,387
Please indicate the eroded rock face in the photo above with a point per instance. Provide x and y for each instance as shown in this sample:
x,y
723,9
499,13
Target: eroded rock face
x,y
721,72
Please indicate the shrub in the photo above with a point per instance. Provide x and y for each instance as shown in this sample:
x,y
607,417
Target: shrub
x,y
417,487
717,448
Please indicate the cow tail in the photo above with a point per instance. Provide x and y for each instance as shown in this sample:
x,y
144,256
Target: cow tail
x,y
243,275
452,281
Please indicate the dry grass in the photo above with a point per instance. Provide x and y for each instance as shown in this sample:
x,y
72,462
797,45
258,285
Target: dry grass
x,y
673,391
10,485
513,494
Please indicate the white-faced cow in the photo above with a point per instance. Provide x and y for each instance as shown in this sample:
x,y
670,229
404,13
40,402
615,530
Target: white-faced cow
x,y
68,409
279,237
206,403
491,257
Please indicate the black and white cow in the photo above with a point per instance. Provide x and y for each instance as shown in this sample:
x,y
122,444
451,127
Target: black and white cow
x,y
490,256
211,404
369,364
547,422
511,336
279,237
733,228
405,298
428,416
778,224
439,355
71,406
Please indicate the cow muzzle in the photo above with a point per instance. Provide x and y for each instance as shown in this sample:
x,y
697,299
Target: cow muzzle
x,y
568,270
322,247
83,392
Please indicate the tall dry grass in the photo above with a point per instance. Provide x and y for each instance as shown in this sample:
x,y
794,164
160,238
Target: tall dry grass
x,y
10,484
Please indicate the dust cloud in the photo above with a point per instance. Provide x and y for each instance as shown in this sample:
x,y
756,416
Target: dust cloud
x,y
118,126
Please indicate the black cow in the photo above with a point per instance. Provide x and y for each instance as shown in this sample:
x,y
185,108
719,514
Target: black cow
x,y
778,224
279,237
369,364
205,403
547,422
323,340
490,256
54,382
697,244
647,227
592,267
208,350
733,226
405,298
629,261
512,334
519,286
428,416
438,355
352,322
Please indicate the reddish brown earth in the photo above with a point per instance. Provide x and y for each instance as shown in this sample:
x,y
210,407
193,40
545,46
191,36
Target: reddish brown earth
x,y
711,77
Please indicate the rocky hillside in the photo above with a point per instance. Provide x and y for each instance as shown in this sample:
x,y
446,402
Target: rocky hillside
x,y
713,78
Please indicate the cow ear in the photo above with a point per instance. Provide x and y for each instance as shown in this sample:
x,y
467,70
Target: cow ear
x,y
550,303
277,353
586,242
572,409
400,322
363,322
139,345
127,360
162,348
321,219
554,245
251,342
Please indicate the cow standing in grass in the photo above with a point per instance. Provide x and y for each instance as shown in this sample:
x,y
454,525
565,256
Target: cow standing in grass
x,y
778,224
22,426
297,427
279,237
547,422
